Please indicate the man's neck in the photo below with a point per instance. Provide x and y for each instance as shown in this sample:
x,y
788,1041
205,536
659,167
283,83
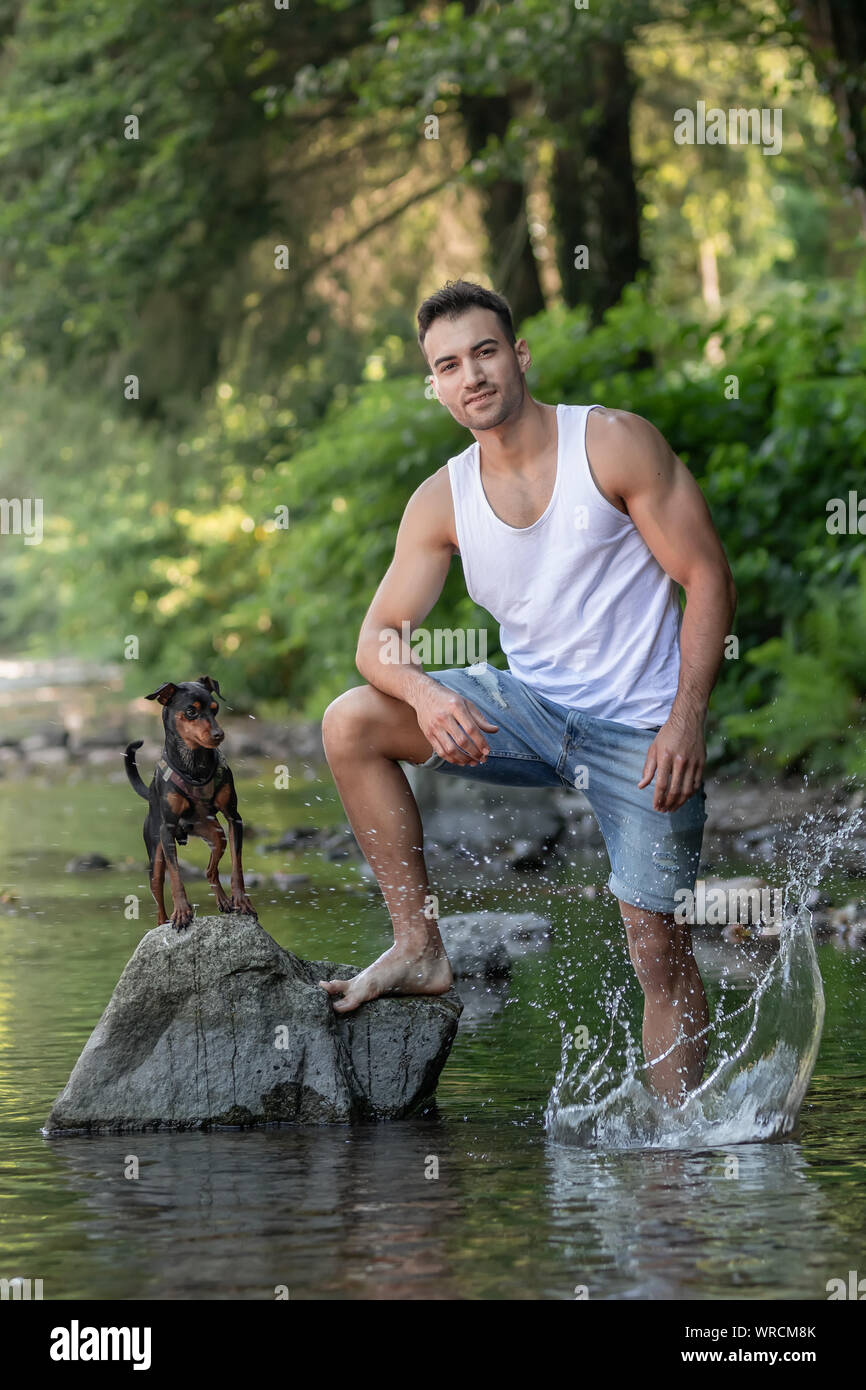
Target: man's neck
x,y
520,440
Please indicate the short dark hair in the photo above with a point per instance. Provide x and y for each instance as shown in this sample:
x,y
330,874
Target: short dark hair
x,y
454,298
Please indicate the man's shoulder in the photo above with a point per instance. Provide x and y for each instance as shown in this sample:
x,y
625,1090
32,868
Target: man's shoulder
x,y
432,508
435,484
621,426
626,451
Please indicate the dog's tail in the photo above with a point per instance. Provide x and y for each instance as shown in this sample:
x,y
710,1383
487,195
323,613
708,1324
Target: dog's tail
x,y
132,771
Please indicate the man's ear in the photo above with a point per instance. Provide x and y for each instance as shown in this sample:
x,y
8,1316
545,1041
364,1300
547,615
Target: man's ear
x,y
164,694
209,684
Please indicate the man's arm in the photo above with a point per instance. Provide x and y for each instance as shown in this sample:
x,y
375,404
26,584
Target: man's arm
x,y
409,589
633,461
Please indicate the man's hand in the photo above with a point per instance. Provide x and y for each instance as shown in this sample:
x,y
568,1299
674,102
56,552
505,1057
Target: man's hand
x,y
452,725
676,758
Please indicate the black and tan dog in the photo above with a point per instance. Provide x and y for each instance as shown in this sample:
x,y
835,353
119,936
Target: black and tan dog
x,y
191,783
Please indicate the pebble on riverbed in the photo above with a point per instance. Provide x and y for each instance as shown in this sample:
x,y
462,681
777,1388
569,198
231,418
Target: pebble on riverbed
x,y
85,863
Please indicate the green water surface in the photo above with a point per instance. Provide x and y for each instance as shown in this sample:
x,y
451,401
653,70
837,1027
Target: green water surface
x,y
357,1212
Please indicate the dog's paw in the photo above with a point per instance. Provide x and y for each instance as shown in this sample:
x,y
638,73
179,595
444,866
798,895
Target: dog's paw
x,y
181,918
243,904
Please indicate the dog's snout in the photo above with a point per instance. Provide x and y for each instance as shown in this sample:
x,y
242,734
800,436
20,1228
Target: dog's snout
x,y
218,734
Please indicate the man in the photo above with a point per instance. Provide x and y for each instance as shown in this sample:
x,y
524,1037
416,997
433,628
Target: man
x,y
575,525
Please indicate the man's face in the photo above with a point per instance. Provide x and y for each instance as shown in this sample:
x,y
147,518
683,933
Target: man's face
x,y
470,357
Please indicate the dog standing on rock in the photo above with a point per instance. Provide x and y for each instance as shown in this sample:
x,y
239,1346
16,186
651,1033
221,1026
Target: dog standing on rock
x,y
191,783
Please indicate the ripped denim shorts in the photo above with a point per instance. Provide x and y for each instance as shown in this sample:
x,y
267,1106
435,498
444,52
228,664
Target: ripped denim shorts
x,y
540,743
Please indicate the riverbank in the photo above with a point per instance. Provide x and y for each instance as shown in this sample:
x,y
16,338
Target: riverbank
x,y
63,718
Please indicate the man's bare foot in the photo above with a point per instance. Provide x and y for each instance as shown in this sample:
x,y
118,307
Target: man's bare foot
x,y
405,969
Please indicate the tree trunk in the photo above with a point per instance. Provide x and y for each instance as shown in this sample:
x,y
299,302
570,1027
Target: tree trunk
x,y
513,267
593,192
836,39
511,259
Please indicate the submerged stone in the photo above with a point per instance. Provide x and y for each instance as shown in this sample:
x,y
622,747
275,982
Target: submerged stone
x,y
486,943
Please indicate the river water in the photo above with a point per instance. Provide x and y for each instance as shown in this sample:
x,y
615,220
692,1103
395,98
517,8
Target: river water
x,y
558,1176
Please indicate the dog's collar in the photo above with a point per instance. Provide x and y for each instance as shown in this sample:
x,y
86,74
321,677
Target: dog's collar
x,y
195,791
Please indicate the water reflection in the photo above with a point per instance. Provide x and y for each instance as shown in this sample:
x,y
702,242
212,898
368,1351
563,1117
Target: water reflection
x,y
674,1225
237,1214
352,1214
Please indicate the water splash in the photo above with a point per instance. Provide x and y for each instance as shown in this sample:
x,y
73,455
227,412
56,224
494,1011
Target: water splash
x,y
756,1087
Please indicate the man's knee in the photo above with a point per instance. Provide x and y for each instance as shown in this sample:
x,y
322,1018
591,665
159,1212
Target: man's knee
x,y
661,955
362,719
366,722
345,719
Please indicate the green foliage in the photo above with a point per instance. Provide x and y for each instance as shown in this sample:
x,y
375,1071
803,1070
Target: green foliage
x,y
260,127
92,221
816,719
176,540
155,257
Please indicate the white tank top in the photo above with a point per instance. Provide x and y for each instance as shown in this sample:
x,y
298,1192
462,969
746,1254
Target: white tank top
x,y
587,615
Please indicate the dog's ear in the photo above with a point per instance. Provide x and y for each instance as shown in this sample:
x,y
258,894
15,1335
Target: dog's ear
x,y
164,694
209,684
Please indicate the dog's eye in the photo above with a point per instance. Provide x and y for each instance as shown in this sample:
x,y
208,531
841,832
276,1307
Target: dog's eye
x,y
191,713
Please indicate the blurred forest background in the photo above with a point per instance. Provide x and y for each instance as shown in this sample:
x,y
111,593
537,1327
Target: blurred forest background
x,y
154,159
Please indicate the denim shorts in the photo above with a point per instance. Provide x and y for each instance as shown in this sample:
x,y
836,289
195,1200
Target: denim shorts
x,y
540,743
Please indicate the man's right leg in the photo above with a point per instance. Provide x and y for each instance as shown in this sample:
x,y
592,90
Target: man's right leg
x,y
367,734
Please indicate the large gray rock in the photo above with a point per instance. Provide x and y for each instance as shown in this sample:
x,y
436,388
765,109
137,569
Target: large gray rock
x,y
218,1025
